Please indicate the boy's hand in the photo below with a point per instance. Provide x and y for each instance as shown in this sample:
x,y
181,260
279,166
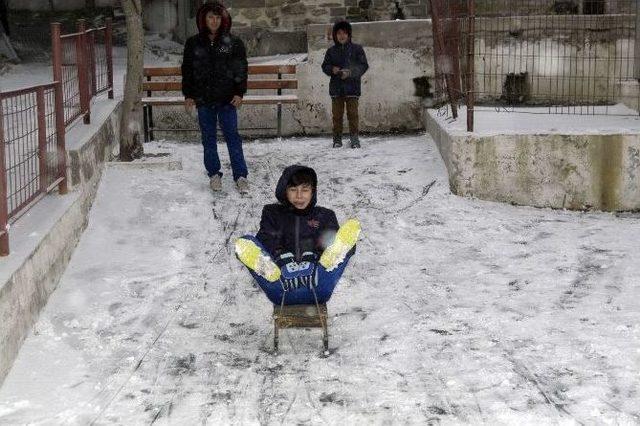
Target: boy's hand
x,y
335,70
189,104
236,101
345,73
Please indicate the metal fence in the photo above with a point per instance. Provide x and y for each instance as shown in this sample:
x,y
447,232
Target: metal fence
x,y
569,56
32,150
83,62
33,120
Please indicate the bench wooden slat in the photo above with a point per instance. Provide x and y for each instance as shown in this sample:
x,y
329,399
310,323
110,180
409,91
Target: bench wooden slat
x,y
253,69
248,99
271,69
162,71
176,86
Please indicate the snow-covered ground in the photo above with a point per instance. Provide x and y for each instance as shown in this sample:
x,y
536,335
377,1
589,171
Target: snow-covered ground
x,y
594,120
453,310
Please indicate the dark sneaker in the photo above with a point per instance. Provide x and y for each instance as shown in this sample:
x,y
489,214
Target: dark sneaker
x,y
355,142
337,142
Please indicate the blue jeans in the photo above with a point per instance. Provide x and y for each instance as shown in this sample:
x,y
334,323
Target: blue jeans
x,y
303,295
208,115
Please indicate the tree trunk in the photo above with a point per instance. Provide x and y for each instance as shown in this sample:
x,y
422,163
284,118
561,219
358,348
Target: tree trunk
x,y
131,124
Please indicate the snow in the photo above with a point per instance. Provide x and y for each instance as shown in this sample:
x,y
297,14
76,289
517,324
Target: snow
x,y
453,310
595,120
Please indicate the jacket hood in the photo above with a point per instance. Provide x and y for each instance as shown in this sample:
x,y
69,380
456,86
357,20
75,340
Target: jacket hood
x,y
281,187
341,25
218,9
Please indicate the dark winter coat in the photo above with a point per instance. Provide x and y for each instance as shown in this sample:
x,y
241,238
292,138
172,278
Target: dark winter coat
x,y
349,56
283,228
214,71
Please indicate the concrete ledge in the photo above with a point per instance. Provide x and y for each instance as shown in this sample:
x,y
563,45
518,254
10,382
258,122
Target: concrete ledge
x,y
572,162
42,241
157,161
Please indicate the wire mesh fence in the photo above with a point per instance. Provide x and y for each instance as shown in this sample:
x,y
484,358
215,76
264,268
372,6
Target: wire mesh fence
x,y
83,62
32,139
570,56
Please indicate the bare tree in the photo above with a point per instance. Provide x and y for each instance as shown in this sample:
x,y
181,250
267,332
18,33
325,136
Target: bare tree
x,y
130,126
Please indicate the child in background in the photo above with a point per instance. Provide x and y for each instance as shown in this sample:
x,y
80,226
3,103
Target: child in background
x,y
345,62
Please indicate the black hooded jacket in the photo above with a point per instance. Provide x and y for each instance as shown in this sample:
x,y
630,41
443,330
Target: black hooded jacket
x,y
283,228
214,71
346,56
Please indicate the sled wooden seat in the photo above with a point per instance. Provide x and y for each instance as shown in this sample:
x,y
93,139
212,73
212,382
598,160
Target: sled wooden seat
x,y
301,316
161,81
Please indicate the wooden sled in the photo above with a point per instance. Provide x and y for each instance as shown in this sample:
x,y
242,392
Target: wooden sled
x,y
300,316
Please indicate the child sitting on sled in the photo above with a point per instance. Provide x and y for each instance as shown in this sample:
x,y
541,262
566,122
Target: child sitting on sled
x,y
300,252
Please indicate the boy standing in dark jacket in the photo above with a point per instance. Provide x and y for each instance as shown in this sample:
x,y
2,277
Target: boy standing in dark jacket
x,y
345,62
299,253
214,79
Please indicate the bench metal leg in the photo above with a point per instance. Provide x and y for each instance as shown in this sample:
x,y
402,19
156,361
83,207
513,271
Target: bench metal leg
x,y
150,122
145,123
279,120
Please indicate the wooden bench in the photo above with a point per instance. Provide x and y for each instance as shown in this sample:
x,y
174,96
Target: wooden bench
x,y
168,79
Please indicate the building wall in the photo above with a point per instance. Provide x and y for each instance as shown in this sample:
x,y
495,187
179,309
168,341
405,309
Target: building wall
x,y
262,18
297,14
38,5
161,16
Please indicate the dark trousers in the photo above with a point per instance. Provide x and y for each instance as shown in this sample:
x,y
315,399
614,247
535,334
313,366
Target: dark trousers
x,y
226,114
337,109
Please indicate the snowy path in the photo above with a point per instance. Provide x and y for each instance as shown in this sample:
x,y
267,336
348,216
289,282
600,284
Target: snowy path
x,y
452,311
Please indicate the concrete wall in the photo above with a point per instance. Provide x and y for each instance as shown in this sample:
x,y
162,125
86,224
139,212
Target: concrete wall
x,y
161,16
59,4
599,171
287,20
30,274
297,14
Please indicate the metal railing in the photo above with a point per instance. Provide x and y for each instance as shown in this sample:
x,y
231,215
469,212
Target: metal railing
x,y
570,57
33,120
83,62
32,151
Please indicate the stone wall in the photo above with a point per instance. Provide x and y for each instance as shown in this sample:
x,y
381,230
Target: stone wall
x,y
279,26
59,4
297,14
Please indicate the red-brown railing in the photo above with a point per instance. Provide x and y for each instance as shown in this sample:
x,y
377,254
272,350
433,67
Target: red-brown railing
x,y
32,151
33,120
83,62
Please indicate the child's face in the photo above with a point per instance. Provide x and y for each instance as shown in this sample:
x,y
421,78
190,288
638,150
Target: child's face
x,y
342,36
213,22
300,196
